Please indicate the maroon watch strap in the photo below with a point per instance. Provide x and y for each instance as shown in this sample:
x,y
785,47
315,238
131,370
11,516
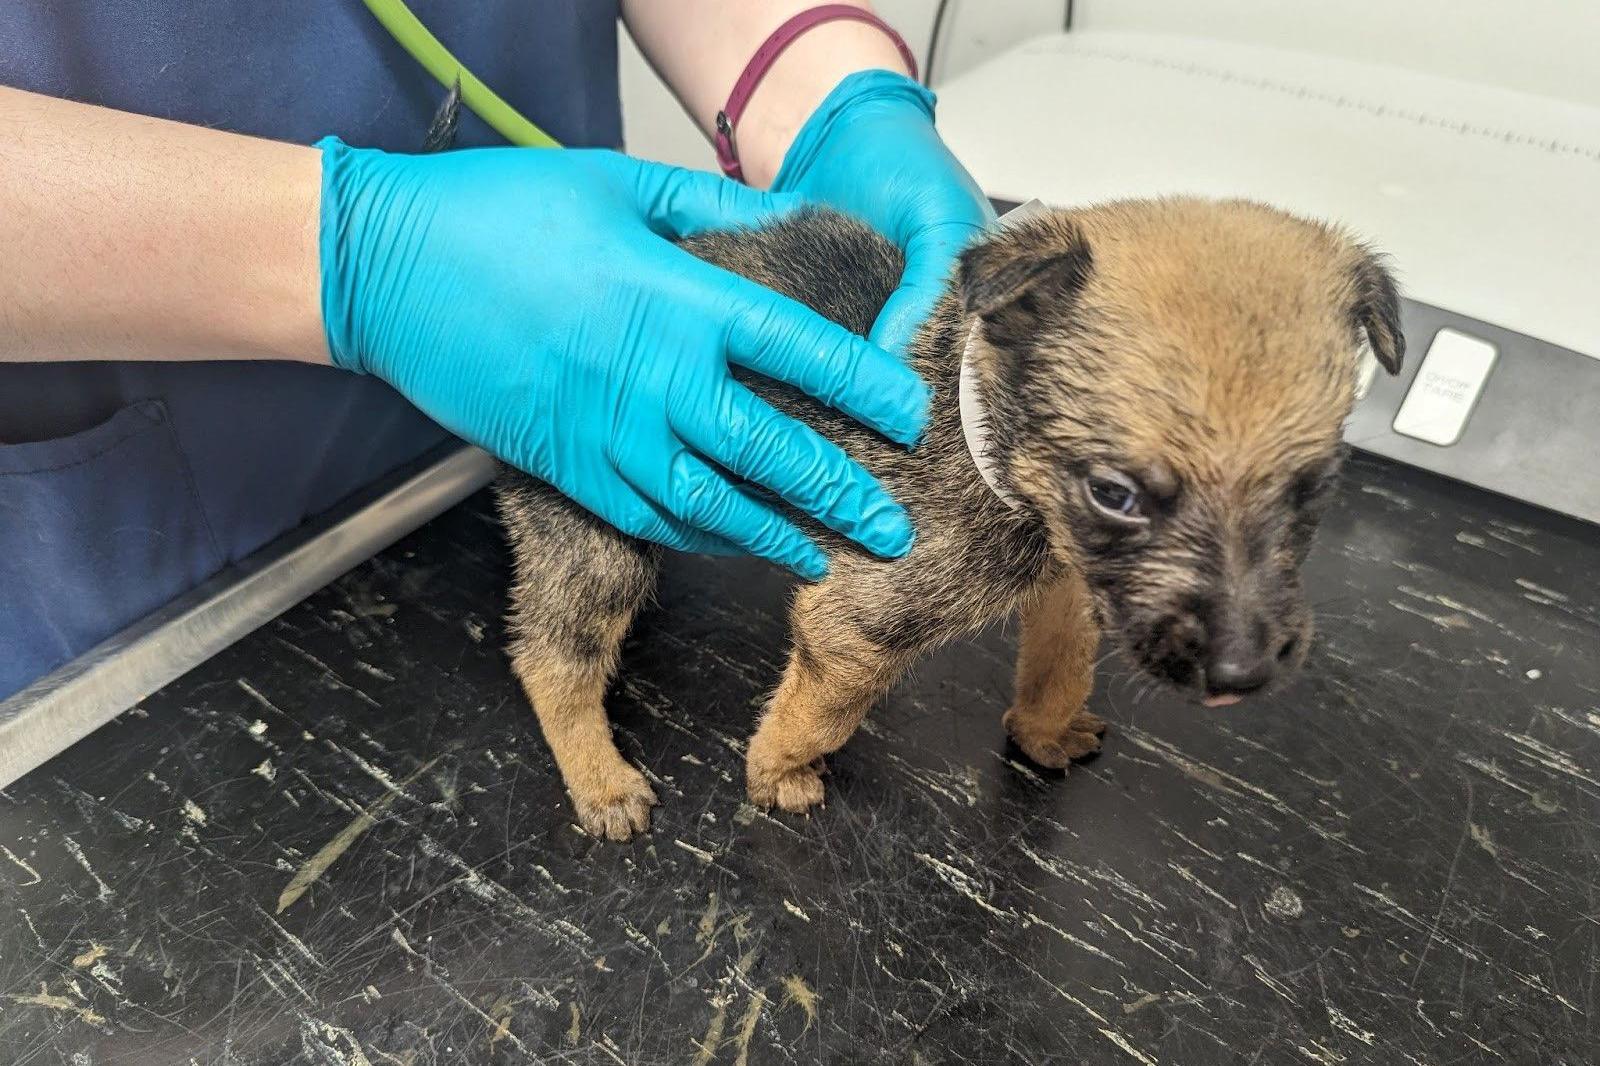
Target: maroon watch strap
x,y
761,62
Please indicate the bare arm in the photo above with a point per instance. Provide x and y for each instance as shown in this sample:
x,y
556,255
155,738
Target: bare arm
x,y
126,237
700,46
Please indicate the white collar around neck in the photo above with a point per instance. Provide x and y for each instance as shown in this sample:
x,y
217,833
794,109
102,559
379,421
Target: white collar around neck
x,y
974,416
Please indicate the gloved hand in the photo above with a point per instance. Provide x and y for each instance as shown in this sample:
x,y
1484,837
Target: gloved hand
x,y
530,301
870,150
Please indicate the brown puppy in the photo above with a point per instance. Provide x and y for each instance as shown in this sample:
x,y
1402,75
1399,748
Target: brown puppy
x,y
1163,384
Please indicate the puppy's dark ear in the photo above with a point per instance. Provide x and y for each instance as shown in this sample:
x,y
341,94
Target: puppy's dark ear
x,y
1021,268
1377,311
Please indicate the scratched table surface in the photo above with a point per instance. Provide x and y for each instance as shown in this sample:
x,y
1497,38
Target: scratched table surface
x,y
343,842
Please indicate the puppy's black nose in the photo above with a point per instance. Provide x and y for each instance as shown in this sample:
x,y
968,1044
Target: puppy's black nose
x,y
1236,674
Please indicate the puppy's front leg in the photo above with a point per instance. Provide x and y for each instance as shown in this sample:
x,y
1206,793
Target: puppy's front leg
x,y
1055,671
834,675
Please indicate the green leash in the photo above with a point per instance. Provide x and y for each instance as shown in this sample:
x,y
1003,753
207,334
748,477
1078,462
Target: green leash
x,y
436,59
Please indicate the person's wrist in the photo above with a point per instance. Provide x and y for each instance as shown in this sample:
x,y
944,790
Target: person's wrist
x,y
275,308
258,296
797,83
304,337
861,88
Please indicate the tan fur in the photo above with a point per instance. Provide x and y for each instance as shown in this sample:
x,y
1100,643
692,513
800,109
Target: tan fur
x,y
826,691
612,799
1055,672
1224,382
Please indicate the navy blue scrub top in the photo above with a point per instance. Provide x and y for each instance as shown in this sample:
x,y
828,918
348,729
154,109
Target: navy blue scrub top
x,y
125,484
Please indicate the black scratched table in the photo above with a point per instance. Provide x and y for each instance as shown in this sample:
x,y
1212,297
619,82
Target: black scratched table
x,y
342,841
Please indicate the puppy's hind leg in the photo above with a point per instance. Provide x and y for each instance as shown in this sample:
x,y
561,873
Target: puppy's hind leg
x,y
834,675
1055,671
578,588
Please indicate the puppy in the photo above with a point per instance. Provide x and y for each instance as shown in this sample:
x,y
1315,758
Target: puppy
x,y
1163,385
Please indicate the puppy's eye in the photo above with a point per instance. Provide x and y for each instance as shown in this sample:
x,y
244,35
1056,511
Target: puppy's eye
x,y
1115,495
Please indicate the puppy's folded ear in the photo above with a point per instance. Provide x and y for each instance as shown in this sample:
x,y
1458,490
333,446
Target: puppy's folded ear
x,y
1377,311
1015,273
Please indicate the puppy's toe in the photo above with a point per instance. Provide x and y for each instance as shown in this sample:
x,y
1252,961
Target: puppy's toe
x,y
795,790
1084,722
619,809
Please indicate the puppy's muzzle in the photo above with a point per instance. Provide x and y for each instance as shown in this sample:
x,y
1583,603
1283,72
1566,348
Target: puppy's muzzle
x,y
1229,650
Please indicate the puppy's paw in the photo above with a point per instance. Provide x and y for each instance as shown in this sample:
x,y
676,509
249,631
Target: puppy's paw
x,y
615,807
1054,743
795,790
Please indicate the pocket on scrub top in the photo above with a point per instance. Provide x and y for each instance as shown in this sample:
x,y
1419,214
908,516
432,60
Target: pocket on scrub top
x,y
97,529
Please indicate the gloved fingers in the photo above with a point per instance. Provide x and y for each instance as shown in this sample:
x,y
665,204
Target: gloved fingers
x,y
931,248
668,532
635,514
903,314
677,202
779,453
930,255
685,487
785,340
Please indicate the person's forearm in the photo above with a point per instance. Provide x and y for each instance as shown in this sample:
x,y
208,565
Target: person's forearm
x,y
700,46
126,237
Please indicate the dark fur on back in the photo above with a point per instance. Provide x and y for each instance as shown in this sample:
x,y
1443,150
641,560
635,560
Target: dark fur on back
x,y
844,271
834,265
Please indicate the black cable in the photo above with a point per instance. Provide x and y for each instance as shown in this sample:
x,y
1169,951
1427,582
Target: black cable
x,y
933,41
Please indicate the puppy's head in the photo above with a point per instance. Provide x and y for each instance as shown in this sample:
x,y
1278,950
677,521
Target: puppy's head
x,y
1165,383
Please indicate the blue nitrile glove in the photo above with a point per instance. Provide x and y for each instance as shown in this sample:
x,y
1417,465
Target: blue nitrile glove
x,y
870,150
530,301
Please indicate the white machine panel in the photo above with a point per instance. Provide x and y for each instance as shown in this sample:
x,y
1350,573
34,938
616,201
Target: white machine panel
x,y
1485,197
1446,388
